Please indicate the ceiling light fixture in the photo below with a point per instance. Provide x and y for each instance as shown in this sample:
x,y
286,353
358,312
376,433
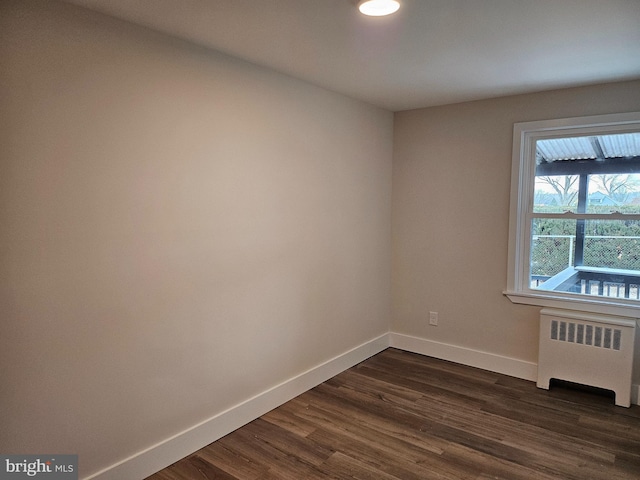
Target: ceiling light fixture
x,y
378,8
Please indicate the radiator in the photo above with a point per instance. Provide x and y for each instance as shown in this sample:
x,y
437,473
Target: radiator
x,y
589,349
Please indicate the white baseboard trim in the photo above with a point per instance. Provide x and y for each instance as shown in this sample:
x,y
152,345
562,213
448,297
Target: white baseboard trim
x,y
465,356
163,454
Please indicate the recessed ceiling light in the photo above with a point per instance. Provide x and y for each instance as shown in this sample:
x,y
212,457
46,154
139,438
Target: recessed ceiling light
x,y
378,8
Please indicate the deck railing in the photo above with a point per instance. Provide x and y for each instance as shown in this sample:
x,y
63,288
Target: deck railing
x,y
618,275
604,282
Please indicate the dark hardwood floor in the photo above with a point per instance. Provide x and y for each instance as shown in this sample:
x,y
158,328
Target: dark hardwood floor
x,y
404,416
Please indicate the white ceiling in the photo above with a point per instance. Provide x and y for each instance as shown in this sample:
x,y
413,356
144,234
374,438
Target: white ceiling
x,y
431,52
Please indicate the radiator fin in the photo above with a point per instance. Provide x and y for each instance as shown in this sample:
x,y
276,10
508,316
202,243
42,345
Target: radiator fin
x,y
585,334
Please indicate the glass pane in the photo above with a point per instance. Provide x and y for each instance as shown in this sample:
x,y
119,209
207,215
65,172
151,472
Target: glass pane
x,y
552,248
620,145
588,257
612,244
556,194
614,192
558,149
592,174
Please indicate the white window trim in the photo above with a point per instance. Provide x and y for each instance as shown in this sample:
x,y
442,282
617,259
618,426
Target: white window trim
x,y
522,190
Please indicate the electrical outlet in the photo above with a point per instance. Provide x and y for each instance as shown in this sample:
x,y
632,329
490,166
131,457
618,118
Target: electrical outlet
x,y
433,318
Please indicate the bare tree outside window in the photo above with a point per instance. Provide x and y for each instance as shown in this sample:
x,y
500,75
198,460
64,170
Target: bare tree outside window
x,y
618,188
565,187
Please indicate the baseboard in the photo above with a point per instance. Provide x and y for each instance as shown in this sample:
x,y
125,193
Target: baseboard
x,y
475,358
170,450
163,454
465,356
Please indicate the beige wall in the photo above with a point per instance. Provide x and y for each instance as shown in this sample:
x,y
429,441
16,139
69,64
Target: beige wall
x,y
180,231
450,217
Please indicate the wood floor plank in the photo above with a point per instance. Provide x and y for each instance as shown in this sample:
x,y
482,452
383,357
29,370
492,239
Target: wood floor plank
x,y
276,462
405,416
233,462
351,467
194,467
410,464
288,443
551,423
284,418
530,438
388,431
345,430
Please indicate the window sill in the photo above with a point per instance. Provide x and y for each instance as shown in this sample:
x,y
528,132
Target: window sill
x,y
583,303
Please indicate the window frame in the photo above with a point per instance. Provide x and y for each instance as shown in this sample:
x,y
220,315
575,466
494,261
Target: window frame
x,y
525,135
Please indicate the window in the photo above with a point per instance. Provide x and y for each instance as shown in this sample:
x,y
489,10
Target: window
x,y
575,214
